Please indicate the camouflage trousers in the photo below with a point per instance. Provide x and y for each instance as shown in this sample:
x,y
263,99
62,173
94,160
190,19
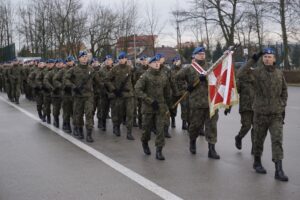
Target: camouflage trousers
x,y
15,90
39,101
97,106
104,107
247,124
67,107
157,119
121,107
56,105
261,125
200,117
8,89
83,106
47,104
183,106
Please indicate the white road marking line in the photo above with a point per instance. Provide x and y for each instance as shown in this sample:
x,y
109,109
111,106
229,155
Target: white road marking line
x,y
144,182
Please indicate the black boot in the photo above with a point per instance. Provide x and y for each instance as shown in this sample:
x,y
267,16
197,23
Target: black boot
x,y
80,135
135,123
100,125
129,135
279,174
258,166
116,130
56,122
68,128
166,131
89,135
159,155
193,146
173,124
40,114
76,132
103,124
184,125
17,101
238,142
146,148
212,152
48,119
64,126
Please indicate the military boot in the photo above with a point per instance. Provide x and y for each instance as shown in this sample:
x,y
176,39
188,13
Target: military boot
x,y
68,128
56,121
103,124
193,146
116,130
89,135
64,126
40,114
258,166
48,119
159,155
100,125
184,125
135,123
44,118
17,101
173,124
146,148
238,142
80,135
279,174
166,132
76,131
129,135
212,152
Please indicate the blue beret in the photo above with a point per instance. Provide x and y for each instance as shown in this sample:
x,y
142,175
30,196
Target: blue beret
x,y
107,57
160,55
42,60
51,61
59,60
82,53
198,50
175,59
143,57
121,55
95,60
268,51
70,58
155,58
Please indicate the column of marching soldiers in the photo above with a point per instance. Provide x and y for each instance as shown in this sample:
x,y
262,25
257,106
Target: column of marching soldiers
x,y
143,96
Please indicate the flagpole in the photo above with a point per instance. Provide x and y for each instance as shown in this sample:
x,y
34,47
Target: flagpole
x,y
207,73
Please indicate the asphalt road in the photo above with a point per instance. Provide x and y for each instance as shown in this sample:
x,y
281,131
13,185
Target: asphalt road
x,y
38,162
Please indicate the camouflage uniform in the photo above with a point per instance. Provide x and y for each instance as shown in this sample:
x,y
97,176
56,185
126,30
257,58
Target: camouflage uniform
x,y
46,93
199,109
56,94
67,99
121,91
81,79
144,90
180,88
97,98
6,74
269,104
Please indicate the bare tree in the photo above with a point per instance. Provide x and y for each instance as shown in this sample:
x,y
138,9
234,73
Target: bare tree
x,y
6,23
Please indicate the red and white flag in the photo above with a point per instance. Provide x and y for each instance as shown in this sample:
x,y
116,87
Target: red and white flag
x,y
221,86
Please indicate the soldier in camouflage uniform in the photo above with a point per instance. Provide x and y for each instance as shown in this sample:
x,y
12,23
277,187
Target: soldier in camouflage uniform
x,y
15,81
155,104
46,91
269,104
67,99
198,104
120,86
105,101
97,98
6,73
180,88
141,68
82,79
32,82
56,90
245,88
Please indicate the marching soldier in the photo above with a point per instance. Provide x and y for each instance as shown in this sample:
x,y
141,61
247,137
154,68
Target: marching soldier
x,y
180,88
198,104
270,98
97,98
122,94
155,104
81,79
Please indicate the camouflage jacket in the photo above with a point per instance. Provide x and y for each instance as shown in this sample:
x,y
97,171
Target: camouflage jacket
x,y
153,85
49,83
270,89
245,88
58,82
179,85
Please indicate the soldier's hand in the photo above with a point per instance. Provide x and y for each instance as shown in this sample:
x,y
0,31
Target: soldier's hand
x,y
190,88
202,78
256,56
155,105
227,110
